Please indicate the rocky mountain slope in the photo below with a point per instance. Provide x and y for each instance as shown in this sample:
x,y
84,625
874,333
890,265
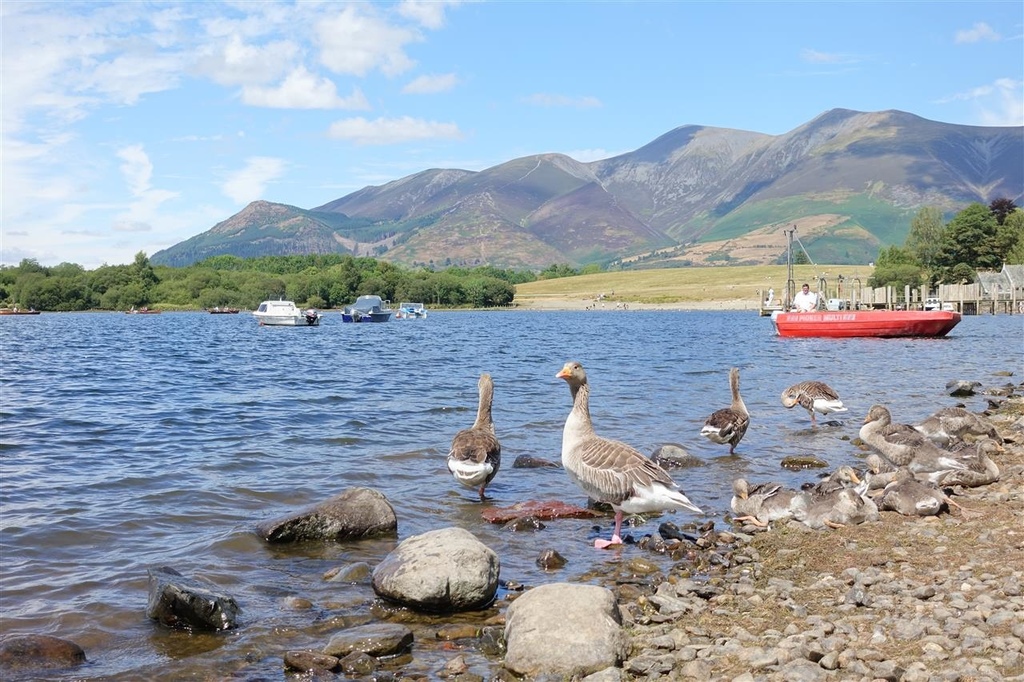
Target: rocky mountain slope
x,y
849,181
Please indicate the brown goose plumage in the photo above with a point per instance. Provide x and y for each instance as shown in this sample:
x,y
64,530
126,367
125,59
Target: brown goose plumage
x,y
904,446
949,425
813,396
475,456
608,470
729,424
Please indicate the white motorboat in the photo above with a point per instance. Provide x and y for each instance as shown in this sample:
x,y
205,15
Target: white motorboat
x,y
411,311
286,314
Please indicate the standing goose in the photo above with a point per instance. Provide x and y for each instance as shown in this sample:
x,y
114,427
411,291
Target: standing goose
x,y
813,396
476,453
610,471
729,424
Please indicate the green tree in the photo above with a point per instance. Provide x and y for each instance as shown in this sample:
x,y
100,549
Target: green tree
x,y
1014,227
970,240
896,267
925,238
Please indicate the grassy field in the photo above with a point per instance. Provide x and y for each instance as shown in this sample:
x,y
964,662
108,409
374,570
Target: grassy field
x,y
738,287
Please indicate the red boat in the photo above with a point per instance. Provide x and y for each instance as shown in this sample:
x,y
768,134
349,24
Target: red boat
x,y
879,323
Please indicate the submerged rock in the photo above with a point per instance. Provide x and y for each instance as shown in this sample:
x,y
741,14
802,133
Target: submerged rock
x,y
538,509
39,651
353,514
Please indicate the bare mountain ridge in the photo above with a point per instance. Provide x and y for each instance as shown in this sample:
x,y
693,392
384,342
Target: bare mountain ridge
x,y
850,181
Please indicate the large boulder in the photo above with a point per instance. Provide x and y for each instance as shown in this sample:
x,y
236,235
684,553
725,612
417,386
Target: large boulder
x,y
187,604
353,514
441,571
565,630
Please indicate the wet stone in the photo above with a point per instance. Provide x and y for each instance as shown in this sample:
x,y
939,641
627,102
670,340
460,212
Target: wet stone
x,y
39,651
309,661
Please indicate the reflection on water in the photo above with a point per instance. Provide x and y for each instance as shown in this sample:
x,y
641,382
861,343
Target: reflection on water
x,y
131,442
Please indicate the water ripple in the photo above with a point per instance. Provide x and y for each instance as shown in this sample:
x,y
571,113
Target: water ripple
x,y
130,442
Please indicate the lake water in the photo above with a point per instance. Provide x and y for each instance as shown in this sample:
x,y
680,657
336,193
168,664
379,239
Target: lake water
x,y
131,442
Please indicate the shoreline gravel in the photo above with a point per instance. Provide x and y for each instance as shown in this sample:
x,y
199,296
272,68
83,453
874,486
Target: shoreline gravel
x,y
915,599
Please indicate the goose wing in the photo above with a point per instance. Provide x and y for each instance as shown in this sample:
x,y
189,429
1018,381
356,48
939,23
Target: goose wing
x,y
611,470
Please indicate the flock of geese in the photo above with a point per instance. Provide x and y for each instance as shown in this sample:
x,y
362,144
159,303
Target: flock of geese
x,y
910,465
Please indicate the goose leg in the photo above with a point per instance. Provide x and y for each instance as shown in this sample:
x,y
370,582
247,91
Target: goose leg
x,y
482,498
751,519
616,540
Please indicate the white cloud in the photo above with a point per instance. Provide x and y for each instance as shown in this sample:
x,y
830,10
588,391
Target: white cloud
x,y
303,90
427,13
817,57
431,84
977,33
355,42
236,63
548,100
391,130
1000,103
249,183
136,168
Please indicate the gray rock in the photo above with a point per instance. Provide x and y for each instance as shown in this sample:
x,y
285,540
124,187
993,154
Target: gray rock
x,y
353,514
675,456
179,602
375,639
959,388
564,629
444,571
308,661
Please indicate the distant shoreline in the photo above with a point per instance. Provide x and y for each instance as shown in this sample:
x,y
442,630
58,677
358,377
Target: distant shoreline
x,y
566,303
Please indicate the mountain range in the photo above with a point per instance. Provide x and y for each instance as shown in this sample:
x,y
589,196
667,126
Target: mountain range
x,y
849,181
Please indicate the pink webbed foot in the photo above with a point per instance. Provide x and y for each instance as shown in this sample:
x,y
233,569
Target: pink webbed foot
x,y
605,544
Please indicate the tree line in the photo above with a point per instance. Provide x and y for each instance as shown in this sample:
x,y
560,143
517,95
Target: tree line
x,y
317,281
977,238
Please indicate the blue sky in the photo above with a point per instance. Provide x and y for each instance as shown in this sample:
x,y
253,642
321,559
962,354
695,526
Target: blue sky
x,y
132,126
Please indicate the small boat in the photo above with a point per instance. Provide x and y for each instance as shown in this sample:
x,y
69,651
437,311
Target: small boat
x,y
286,314
367,308
411,311
876,323
16,311
142,311
223,311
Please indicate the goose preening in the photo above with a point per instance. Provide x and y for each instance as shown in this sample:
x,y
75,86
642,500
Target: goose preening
x,y
728,425
950,424
610,471
813,396
760,503
475,455
843,477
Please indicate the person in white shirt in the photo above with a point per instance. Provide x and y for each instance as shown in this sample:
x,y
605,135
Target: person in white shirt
x,y
805,301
